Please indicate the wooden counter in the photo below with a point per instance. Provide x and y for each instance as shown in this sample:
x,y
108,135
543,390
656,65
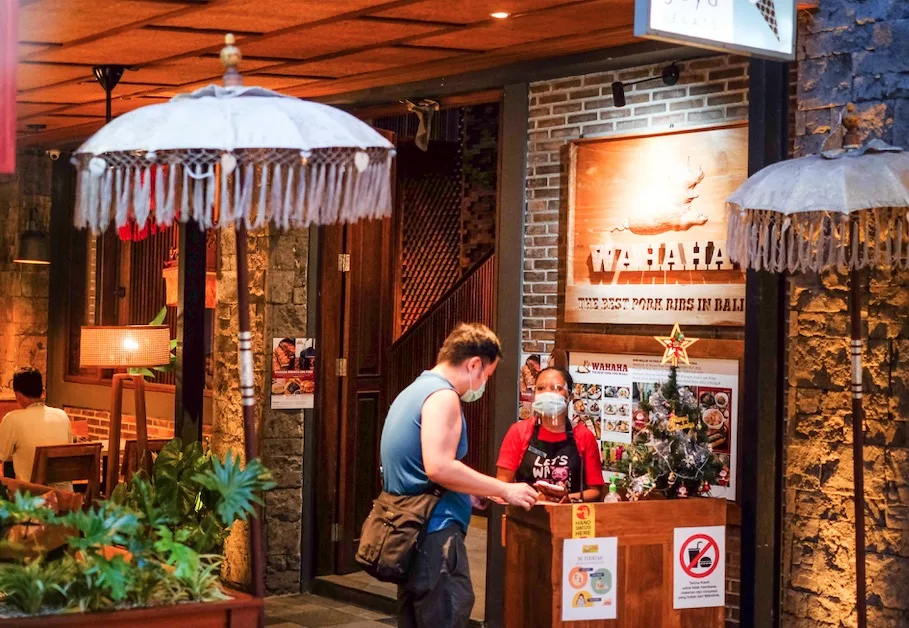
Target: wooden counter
x,y
533,569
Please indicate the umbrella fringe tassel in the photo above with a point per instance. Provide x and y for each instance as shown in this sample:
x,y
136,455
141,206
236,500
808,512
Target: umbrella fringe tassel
x,y
285,193
818,241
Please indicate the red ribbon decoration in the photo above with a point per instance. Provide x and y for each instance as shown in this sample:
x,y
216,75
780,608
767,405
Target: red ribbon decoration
x,y
131,232
9,37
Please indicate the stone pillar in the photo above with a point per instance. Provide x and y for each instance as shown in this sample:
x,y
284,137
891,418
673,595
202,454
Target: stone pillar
x,y
282,430
23,288
227,419
278,266
849,51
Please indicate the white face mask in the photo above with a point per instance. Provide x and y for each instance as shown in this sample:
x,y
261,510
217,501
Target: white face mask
x,y
473,395
549,404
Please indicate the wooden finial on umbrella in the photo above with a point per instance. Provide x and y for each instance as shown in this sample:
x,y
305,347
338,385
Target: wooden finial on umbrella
x,y
231,58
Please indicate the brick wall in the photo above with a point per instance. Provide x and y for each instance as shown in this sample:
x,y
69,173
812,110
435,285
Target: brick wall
x,y
711,90
99,424
848,52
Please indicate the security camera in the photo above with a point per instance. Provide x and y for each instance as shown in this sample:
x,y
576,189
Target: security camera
x,y
53,153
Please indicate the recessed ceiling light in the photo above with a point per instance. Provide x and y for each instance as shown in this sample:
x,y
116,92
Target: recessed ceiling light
x,y
500,15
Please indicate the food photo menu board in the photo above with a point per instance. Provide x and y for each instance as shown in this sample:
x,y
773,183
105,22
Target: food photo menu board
x,y
609,388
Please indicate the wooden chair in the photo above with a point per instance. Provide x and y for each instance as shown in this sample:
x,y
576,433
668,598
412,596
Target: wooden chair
x,y
69,463
131,455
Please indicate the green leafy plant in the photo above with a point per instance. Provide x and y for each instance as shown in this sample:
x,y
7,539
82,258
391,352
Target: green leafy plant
x,y
151,373
157,541
34,584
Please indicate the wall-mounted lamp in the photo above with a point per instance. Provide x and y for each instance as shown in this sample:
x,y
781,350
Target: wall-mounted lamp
x,y
34,247
670,77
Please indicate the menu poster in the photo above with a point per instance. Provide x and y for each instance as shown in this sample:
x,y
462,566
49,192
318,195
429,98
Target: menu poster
x,y
531,365
589,578
610,387
293,373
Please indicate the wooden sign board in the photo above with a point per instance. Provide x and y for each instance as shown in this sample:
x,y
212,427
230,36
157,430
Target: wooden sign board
x,y
647,228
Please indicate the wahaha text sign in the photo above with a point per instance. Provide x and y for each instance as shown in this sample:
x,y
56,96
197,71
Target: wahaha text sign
x,y
760,28
647,229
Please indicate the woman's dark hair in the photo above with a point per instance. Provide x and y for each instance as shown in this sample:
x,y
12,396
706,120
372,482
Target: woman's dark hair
x,y
535,357
289,341
563,372
27,381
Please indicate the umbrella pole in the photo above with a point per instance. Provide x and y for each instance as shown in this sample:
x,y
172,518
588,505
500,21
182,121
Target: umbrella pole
x,y
858,443
247,393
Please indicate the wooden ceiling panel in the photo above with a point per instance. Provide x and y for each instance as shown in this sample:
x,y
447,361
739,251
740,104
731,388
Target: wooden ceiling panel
x,y
332,38
61,21
119,106
251,15
276,83
466,11
368,61
82,92
28,47
131,47
573,19
188,70
34,108
55,122
32,75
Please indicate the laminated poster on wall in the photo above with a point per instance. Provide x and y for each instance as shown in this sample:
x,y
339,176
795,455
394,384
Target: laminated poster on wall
x,y
609,388
531,365
293,373
589,578
699,567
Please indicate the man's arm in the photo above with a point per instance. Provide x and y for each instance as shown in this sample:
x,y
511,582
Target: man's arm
x,y
7,440
440,434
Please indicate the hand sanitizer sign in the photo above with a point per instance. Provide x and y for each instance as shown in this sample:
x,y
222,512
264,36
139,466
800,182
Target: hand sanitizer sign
x,y
761,28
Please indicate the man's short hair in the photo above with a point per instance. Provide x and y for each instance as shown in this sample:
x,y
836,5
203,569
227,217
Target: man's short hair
x,y
27,381
470,340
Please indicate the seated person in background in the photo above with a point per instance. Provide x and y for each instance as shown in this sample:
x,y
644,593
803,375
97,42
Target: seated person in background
x,y
35,425
547,448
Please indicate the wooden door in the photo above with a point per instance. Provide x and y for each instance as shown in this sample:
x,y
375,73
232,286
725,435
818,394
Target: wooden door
x,y
355,327
368,334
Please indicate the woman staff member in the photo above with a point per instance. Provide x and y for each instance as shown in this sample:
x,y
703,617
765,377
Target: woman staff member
x,y
547,447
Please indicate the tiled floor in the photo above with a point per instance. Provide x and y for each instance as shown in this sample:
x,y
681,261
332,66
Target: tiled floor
x,y
310,611
476,554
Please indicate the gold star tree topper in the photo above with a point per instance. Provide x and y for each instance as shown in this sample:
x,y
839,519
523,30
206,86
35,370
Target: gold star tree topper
x,y
675,346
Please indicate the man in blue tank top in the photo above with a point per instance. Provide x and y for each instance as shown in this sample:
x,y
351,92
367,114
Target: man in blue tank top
x,y
423,443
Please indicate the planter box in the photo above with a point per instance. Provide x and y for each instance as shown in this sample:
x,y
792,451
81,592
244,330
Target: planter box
x,y
242,611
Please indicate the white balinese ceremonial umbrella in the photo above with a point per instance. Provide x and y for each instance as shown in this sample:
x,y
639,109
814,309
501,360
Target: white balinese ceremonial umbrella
x,y
845,209
234,157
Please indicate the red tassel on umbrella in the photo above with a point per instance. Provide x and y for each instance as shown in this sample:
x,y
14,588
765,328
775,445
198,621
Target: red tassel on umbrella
x,y
131,232
9,36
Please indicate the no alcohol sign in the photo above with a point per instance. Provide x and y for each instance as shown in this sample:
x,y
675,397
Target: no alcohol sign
x,y
700,567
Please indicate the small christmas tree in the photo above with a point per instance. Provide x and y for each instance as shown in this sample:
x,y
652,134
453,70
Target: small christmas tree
x,y
671,453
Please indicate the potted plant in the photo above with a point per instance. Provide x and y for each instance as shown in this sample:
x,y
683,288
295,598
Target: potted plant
x,y
150,554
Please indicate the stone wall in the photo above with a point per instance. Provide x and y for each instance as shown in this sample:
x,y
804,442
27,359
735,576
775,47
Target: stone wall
x,y
849,51
282,430
23,288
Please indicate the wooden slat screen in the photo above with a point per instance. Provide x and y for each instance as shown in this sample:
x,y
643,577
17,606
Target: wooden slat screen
x,y
147,291
472,299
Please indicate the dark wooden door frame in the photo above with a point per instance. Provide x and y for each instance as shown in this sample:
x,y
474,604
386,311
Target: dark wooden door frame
x,y
765,362
513,118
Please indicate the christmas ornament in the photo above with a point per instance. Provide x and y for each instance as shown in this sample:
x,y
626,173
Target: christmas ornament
x,y
671,478
705,489
675,346
682,491
724,477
